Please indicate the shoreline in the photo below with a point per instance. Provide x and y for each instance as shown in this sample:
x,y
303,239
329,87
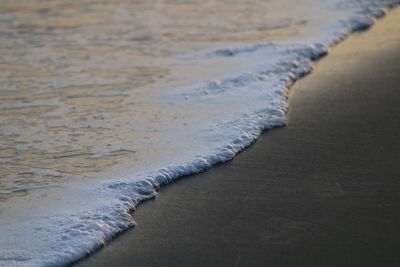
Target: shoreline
x,y
204,205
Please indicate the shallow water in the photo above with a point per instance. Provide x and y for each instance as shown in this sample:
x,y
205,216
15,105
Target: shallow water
x,y
101,102
81,82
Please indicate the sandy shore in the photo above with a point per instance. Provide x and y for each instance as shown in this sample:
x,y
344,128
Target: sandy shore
x,y
323,191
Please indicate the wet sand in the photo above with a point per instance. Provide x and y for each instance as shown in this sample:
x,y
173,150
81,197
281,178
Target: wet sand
x,y
322,191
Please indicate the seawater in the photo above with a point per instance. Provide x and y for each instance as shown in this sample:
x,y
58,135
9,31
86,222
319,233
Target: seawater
x,y
102,102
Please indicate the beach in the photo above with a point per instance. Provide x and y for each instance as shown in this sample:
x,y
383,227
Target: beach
x,y
323,190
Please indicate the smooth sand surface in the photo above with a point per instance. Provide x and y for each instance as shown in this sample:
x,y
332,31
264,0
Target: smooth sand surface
x,y
322,191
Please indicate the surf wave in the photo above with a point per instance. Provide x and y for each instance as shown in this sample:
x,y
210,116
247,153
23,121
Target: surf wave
x,y
90,213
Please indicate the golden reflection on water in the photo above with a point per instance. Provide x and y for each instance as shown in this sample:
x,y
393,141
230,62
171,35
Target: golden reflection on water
x,y
74,77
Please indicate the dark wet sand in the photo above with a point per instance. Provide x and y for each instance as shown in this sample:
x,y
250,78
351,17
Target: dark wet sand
x,y
323,191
